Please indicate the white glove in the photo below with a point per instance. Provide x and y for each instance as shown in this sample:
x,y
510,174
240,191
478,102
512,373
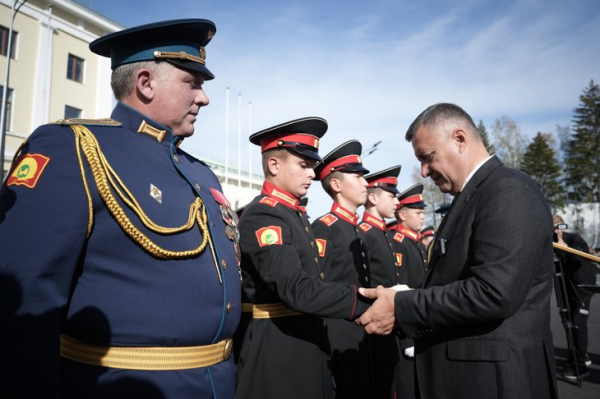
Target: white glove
x,y
400,287
410,352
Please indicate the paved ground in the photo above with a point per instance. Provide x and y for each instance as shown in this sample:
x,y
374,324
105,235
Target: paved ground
x,y
591,384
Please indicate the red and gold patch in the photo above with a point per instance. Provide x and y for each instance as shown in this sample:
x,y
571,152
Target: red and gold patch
x,y
398,259
365,227
28,170
322,246
270,235
398,237
269,201
328,219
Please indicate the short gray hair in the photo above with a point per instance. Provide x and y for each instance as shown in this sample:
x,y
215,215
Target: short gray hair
x,y
437,113
122,78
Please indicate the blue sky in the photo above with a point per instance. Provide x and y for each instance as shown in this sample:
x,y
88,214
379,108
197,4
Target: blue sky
x,y
370,67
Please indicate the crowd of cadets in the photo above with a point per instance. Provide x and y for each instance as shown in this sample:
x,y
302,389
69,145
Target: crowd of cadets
x,y
300,280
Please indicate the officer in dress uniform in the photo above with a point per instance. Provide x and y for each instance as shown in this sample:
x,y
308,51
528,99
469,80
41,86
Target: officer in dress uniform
x,y
344,258
384,260
121,245
410,215
285,349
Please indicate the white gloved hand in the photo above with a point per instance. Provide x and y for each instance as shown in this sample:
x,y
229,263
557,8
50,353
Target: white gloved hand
x,y
410,352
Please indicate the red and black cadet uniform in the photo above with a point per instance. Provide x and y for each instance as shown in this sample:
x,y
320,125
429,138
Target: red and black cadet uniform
x,y
285,349
384,261
383,257
344,256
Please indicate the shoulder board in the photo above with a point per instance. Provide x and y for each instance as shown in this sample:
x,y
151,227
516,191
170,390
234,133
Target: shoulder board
x,y
398,237
93,122
365,227
268,201
328,219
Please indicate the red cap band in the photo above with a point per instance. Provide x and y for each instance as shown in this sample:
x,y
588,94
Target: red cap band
x,y
388,181
277,141
411,200
330,167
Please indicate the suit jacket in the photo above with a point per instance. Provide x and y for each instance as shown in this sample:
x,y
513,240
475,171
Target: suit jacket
x,y
482,323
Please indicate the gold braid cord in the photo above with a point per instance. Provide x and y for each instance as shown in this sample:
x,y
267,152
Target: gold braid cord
x,y
107,181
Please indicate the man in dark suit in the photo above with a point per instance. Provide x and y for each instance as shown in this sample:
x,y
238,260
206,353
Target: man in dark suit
x,y
481,323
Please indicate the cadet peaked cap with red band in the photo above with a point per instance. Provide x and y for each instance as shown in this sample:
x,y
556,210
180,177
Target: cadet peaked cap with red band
x,y
412,197
386,179
345,158
180,42
300,135
427,231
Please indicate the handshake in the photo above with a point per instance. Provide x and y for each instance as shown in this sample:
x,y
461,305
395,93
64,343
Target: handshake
x,y
380,317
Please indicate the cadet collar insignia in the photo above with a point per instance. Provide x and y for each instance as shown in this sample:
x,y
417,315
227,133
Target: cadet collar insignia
x,y
270,235
365,227
328,219
28,170
344,214
285,198
374,221
398,237
268,201
322,246
152,131
409,233
156,193
398,259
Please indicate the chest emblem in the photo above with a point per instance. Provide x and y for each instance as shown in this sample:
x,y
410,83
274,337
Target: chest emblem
x,y
322,246
398,259
398,237
365,227
328,219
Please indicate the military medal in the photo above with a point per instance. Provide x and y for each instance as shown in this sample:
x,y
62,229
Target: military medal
x,y
230,218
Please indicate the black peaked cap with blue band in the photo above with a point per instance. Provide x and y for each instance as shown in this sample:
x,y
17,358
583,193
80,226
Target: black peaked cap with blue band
x,y
345,158
181,42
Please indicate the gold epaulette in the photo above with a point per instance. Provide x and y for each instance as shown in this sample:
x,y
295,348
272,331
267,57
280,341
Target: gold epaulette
x,y
92,122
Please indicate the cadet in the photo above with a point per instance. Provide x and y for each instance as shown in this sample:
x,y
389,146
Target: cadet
x,y
427,235
384,260
120,245
344,258
285,349
410,215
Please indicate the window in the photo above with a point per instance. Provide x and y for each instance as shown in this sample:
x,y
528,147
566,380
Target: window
x,y
8,106
72,112
4,42
75,68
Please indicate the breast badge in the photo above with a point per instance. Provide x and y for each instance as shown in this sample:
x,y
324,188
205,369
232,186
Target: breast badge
x,y
270,235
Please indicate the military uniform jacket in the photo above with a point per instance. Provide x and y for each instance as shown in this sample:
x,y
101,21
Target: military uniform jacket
x,y
286,357
414,256
68,267
384,260
483,322
344,256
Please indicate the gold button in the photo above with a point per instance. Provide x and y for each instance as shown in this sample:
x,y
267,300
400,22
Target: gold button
x,y
363,254
176,158
228,348
322,276
306,228
364,266
366,279
228,308
198,187
316,260
224,264
312,244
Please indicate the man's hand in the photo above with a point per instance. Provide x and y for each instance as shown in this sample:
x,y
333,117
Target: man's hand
x,y
379,318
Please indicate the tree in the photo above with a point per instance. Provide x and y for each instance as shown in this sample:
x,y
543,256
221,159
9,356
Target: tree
x,y
509,142
541,164
582,158
484,137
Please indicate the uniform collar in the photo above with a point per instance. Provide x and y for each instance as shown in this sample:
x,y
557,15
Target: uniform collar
x,y
278,194
374,221
142,125
345,214
405,231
